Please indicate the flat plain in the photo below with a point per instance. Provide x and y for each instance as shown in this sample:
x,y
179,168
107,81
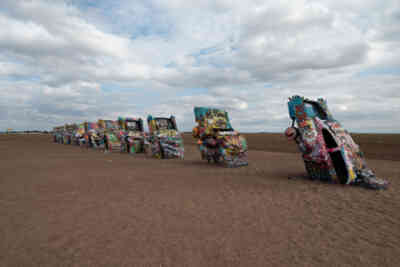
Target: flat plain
x,y
62,205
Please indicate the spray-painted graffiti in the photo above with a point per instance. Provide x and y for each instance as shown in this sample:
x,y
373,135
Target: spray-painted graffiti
x,y
216,138
69,130
328,151
105,135
131,135
164,139
58,133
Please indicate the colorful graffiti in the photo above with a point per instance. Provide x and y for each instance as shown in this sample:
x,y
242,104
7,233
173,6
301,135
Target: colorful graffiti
x,y
58,133
216,138
328,150
164,139
78,136
131,135
69,130
105,135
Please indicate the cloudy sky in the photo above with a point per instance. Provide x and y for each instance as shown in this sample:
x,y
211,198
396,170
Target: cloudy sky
x,y
75,60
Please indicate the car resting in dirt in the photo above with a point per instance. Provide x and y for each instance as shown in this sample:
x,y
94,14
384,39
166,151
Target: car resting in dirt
x,y
217,140
95,135
69,132
58,133
90,130
328,150
78,136
131,135
82,136
106,136
164,141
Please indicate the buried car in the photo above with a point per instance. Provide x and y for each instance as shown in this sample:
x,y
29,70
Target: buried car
x,y
329,152
164,139
58,133
90,129
82,135
69,132
78,136
131,135
106,136
217,140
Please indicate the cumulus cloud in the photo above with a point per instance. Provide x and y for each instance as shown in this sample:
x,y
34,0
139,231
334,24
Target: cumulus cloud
x,y
73,60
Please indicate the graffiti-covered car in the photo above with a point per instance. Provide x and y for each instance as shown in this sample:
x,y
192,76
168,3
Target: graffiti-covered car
x,y
82,135
217,140
329,152
58,133
164,141
69,130
107,135
131,135
96,135
78,136
90,129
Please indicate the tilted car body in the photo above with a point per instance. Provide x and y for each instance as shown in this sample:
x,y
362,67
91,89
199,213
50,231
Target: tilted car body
x,y
217,140
82,136
328,150
78,136
131,135
58,133
69,130
164,139
107,135
90,129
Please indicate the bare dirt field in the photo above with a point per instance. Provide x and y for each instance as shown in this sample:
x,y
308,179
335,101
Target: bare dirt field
x,y
61,205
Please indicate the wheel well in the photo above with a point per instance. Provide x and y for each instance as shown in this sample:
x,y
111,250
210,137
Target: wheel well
x,y
329,140
336,157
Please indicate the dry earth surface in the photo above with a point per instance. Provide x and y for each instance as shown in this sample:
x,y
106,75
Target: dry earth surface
x,y
61,205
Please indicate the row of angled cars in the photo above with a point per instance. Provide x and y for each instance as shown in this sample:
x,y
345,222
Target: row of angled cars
x,y
125,135
328,150
218,141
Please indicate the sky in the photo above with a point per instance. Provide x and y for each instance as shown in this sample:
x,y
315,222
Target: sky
x,y
64,61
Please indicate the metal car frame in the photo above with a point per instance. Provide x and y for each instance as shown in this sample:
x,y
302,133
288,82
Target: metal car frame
x,y
328,150
164,140
108,132
58,133
216,138
132,135
69,130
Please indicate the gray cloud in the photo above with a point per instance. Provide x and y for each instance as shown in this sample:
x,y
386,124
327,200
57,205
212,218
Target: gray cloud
x,y
58,57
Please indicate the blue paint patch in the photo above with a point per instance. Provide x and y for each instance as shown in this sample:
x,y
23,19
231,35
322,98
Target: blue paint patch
x,y
201,112
309,109
294,101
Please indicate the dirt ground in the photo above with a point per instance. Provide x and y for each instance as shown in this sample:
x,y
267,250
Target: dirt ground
x,y
61,205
